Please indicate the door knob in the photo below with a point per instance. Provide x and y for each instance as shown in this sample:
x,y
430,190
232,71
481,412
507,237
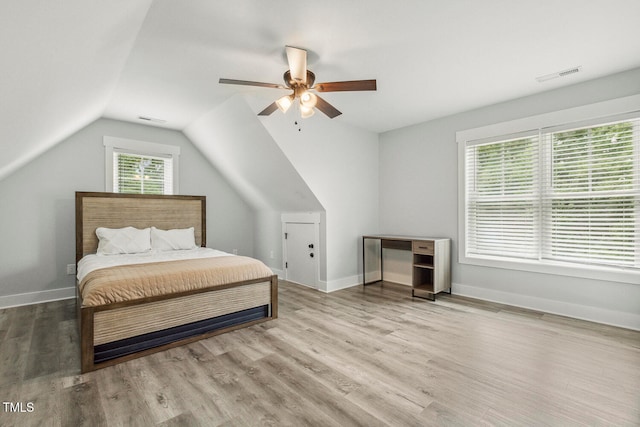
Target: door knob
x,y
311,254
310,245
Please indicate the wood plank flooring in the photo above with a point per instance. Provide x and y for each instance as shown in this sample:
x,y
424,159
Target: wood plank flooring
x,y
357,357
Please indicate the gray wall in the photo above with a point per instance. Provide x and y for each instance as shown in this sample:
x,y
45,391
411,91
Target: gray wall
x,y
418,195
234,140
327,167
339,163
37,205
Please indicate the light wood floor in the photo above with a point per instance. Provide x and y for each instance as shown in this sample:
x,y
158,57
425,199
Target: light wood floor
x,y
354,357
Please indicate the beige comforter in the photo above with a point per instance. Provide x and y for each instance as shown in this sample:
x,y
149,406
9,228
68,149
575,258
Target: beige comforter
x,y
131,282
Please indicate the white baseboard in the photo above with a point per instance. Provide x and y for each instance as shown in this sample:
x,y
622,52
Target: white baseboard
x,y
577,311
37,297
343,283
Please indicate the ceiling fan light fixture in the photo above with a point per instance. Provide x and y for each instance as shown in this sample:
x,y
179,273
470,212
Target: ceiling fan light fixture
x,y
299,79
306,112
308,99
285,103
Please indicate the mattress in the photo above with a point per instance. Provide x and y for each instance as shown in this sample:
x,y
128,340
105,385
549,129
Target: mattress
x,y
112,279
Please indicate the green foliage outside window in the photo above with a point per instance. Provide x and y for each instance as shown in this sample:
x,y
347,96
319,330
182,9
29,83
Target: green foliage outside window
x,y
507,168
140,175
593,159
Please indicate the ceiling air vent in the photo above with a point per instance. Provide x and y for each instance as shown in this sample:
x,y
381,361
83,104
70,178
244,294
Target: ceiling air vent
x,y
151,119
557,74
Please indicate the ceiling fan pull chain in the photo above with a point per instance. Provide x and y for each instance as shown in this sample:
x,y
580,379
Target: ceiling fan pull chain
x,y
298,113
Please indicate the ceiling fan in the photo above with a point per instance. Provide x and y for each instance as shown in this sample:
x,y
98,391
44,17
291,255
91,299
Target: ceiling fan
x,y
301,81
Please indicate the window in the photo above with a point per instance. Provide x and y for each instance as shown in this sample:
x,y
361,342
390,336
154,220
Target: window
x,y
562,196
591,199
141,174
502,194
140,167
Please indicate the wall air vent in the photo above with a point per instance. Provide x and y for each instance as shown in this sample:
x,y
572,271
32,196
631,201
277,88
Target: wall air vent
x,y
557,74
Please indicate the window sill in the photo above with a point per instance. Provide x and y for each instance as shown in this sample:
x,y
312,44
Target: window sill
x,y
611,274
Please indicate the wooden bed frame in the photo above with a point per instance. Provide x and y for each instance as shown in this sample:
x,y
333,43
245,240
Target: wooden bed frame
x,y
114,333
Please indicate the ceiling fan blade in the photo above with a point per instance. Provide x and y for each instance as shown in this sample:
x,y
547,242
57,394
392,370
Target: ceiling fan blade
x,y
353,85
328,109
250,83
270,109
297,59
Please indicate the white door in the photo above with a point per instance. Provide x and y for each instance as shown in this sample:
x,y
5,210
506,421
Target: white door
x,y
301,257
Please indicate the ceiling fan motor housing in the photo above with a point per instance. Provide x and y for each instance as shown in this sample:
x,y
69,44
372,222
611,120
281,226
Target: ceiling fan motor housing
x,y
292,83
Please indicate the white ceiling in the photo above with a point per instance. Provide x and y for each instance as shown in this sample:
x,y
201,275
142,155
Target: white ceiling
x,y
67,63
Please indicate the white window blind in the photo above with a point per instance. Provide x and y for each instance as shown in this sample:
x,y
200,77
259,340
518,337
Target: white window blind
x,y
140,167
142,174
502,198
592,195
569,195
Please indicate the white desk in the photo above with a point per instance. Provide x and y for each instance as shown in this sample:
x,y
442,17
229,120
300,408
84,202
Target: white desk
x,y
431,261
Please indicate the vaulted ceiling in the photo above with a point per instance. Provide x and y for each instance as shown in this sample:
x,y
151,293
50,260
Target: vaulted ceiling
x,y
66,63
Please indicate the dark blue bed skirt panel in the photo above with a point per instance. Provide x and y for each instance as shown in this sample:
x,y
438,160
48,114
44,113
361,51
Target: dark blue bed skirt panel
x,y
112,350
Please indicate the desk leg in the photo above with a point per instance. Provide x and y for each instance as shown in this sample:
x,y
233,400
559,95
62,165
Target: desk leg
x,y
381,265
430,296
364,261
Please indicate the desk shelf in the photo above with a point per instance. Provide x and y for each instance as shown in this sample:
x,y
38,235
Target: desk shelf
x,y
423,266
422,260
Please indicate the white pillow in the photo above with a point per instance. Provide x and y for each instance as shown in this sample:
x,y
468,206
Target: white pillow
x,y
170,240
127,240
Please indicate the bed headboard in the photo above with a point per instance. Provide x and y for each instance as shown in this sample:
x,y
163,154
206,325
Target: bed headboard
x,y
114,210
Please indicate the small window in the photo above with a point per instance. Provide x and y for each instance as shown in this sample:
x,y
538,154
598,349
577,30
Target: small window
x,y
140,167
140,174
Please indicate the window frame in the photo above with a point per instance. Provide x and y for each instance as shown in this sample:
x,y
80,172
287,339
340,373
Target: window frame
x,y
592,114
139,148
